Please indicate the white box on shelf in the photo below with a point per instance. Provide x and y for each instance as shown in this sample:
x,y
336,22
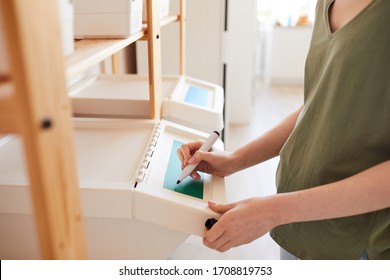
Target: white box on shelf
x,y
164,9
188,101
65,8
107,18
116,96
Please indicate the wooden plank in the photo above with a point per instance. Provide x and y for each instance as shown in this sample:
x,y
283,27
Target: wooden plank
x,y
183,19
8,123
8,114
154,58
4,79
44,112
6,87
168,19
89,52
163,22
115,63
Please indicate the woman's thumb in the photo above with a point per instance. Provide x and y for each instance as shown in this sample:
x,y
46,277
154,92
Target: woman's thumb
x,y
220,208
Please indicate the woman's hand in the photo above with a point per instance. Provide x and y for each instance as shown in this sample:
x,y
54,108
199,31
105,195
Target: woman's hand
x,y
241,223
215,162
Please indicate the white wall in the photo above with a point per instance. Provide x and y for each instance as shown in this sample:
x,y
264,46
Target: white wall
x,y
241,60
287,54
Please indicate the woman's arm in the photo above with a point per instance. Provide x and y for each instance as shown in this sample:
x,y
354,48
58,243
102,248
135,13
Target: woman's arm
x,y
266,146
222,163
247,220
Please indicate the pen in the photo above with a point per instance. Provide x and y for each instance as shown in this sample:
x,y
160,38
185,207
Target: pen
x,y
205,147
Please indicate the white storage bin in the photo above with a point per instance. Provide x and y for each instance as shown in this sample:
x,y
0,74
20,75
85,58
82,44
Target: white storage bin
x,y
65,12
164,9
107,18
65,8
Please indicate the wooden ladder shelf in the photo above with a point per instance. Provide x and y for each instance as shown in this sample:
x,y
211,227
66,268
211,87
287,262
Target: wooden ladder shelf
x,y
34,104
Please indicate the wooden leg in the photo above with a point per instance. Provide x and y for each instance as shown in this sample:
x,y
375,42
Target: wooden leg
x,y
43,114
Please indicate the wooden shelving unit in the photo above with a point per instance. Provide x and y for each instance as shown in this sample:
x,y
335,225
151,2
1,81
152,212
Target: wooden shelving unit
x,y
34,103
90,52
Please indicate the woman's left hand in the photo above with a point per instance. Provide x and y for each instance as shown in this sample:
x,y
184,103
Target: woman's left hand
x,y
241,223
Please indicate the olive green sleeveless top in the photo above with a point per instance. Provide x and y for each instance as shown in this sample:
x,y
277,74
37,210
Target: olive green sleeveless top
x,y
344,128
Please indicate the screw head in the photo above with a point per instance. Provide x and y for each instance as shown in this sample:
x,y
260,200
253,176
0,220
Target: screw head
x,y
46,123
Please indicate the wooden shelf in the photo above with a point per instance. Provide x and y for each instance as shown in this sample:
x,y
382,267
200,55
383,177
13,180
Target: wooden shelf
x,y
8,121
6,91
4,79
169,19
8,116
89,52
163,22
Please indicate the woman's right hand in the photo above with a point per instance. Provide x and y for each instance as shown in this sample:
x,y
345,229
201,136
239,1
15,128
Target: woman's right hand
x,y
215,162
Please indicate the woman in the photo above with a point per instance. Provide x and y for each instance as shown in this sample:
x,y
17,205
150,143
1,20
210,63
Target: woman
x,y
333,179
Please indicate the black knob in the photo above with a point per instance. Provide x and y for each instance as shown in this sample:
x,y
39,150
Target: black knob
x,y
209,223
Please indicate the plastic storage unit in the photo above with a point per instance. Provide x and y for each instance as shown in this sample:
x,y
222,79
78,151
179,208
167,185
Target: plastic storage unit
x,y
130,210
107,19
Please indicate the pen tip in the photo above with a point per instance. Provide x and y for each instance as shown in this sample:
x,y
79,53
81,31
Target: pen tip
x,y
178,182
